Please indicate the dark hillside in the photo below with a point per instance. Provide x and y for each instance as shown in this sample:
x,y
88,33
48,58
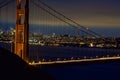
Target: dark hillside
x,y
14,68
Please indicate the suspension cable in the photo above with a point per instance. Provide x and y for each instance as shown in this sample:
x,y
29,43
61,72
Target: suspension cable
x,y
67,18
37,5
5,3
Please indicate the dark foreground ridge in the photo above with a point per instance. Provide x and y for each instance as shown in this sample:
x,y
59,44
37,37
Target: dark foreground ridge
x,y
14,68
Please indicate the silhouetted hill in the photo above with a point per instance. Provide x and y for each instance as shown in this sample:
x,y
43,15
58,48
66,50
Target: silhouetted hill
x,y
14,68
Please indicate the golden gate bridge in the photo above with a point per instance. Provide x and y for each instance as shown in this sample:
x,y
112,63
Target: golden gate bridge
x,y
25,15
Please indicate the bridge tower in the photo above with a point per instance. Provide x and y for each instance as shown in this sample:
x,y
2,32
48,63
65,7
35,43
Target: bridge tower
x,y
22,30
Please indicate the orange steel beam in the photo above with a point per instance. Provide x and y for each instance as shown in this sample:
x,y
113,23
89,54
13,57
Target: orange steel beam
x,y
22,30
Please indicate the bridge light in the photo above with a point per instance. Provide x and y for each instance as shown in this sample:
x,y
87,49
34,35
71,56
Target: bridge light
x,y
33,62
39,62
87,28
107,55
30,63
118,55
43,60
72,58
96,56
85,57
78,58
58,59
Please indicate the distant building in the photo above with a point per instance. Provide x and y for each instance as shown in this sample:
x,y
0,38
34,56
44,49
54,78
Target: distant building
x,y
53,35
1,31
33,40
118,42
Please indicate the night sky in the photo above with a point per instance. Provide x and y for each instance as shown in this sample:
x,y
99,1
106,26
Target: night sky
x,y
90,12
102,16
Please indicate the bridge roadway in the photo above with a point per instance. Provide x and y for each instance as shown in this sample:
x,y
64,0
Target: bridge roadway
x,y
75,61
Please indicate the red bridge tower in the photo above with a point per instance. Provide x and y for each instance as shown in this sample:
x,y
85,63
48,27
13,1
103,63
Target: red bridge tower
x,y
22,30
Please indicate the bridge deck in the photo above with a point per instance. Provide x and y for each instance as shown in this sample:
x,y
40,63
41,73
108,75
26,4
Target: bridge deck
x,y
74,61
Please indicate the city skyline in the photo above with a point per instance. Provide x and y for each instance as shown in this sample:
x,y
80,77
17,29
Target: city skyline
x,y
101,16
